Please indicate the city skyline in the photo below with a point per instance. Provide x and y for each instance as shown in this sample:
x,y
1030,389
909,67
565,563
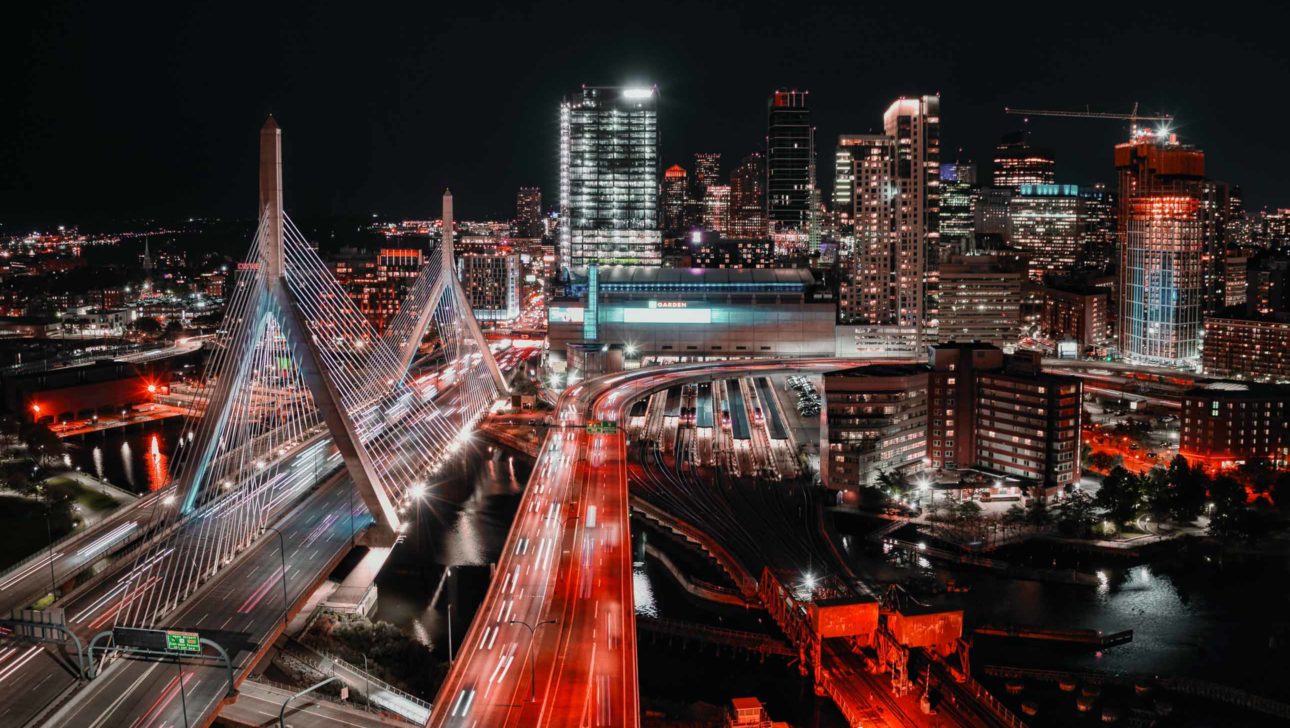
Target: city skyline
x,y
141,126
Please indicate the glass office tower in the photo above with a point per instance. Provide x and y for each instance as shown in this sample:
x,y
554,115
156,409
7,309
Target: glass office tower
x,y
609,178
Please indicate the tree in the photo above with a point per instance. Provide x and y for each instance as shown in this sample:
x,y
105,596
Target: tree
x,y
1014,516
1085,455
894,482
1186,492
147,326
1076,514
174,329
1120,495
1037,513
967,511
1103,462
1280,491
1230,518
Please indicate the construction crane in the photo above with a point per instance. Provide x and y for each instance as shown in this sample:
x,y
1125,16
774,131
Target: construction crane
x,y
1133,117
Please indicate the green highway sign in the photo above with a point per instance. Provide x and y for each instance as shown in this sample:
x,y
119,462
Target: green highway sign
x,y
183,641
602,427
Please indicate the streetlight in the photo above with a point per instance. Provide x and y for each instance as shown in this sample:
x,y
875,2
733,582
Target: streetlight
x,y
49,531
532,628
282,551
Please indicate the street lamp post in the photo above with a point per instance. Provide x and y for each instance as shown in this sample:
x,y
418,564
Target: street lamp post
x,y
532,628
282,552
49,533
367,680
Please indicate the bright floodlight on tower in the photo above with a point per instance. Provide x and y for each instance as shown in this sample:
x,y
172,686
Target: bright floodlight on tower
x,y
638,92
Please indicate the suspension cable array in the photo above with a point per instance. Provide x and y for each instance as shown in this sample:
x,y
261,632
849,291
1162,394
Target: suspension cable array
x,y
298,384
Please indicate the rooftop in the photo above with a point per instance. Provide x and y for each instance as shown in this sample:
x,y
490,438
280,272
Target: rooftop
x,y
640,275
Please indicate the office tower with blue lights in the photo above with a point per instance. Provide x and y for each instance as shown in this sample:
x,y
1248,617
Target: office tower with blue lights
x,y
609,178
1162,242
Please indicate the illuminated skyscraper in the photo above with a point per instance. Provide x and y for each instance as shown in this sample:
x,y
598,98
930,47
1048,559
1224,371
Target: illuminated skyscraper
x,y
528,212
675,195
716,208
707,171
1047,223
1017,163
844,175
915,125
609,178
748,198
957,220
790,166
1162,231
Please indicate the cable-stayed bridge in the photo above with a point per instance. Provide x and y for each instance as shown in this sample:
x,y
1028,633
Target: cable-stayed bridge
x,y
313,432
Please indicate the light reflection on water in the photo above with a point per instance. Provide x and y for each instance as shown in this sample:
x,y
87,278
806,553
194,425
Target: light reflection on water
x,y
643,591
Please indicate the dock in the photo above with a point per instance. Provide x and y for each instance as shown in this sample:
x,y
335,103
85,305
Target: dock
x,y
1091,637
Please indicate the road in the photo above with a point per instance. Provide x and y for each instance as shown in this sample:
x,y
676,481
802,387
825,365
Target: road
x,y
259,704
567,577
241,610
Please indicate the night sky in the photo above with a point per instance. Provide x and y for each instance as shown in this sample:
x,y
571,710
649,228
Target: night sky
x,y
109,111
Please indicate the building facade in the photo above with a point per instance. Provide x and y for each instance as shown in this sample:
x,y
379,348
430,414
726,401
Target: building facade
x,y
675,196
748,198
492,284
1161,286
790,165
1047,223
1226,424
1076,315
875,422
981,299
1244,348
1017,163
609,178
528,212
670,314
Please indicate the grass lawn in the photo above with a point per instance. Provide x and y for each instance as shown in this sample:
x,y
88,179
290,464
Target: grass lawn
x,y
22,529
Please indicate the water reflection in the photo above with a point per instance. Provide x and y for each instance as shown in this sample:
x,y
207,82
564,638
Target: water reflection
x,y
127,462
158,466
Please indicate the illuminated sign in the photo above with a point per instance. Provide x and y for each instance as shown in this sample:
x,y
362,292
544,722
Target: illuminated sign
x,y
183,641
602,427
637,93
565,315
665,315
669,304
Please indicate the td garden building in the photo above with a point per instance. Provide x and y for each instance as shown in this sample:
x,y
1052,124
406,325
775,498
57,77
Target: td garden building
x,y
690,314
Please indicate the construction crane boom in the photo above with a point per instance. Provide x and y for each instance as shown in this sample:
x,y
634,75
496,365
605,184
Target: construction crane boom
x,y
1134,116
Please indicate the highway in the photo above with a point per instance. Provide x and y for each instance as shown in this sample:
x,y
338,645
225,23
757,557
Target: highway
x,y
566,573
240,610
250,582
568,578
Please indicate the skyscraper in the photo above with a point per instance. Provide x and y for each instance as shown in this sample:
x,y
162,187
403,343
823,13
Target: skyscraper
x,y
895,183
844,175
528,212
915,125
609,177
675,195
716,208
1048,223
790,165
707,171
1017,163
957,220
748,198
1162,238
